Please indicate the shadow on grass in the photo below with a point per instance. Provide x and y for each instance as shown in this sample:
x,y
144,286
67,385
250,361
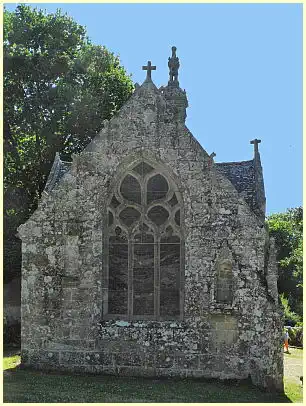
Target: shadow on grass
x,y
27,385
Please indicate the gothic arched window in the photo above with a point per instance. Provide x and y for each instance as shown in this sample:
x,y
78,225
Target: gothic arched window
x,y
144,246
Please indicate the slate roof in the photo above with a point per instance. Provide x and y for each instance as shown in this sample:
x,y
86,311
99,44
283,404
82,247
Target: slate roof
x,y
242,176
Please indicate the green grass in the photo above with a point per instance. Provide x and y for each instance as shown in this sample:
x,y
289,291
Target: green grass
x,y
294,353
33,386
293,391
10,362
24,385
293,369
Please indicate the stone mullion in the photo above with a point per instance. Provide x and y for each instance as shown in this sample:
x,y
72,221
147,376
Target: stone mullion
x,y
157,277
105,272
130,277
182,278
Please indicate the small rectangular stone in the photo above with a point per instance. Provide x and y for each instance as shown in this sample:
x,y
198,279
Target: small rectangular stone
x,y
98,358
71,358
129,359
164,360
187,361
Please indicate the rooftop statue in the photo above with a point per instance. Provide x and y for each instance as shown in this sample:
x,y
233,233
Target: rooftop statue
x,y
173,64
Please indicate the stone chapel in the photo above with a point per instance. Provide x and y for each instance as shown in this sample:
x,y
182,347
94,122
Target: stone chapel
x,y
145,257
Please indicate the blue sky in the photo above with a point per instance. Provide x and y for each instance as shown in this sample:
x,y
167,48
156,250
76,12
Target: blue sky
x,y
241,66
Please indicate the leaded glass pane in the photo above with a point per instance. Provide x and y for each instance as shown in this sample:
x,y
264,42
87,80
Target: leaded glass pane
x,y
169,279
170,239
120,237
130,189
143,227
169,230
143,279
173,201
143,169
157,188
117,276
129,215
117,302
158,214
114,202
143,237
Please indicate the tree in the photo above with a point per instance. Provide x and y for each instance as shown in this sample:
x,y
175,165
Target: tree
x,y
287,229
58,90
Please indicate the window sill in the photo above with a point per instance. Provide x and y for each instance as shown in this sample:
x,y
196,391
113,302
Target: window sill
x,y
222,308
114,321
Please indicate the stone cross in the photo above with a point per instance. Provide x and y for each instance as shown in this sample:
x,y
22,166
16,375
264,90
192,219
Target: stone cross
x,y
255,143
149,68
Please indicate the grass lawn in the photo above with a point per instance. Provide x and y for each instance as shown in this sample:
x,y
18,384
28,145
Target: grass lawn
x,y
22,386
11,362
293,369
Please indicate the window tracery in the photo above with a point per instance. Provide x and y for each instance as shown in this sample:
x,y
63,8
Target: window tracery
x,y
144,246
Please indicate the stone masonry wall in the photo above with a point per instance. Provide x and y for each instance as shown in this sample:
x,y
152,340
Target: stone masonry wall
x,y
62,277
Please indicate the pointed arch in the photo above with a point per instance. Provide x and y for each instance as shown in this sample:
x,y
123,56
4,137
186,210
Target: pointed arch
x,y
144,245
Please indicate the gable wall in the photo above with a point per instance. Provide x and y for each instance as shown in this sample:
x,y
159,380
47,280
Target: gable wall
x,y
62,283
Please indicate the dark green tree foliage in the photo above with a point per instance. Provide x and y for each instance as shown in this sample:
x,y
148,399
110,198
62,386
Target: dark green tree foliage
x,y
58,89
287,229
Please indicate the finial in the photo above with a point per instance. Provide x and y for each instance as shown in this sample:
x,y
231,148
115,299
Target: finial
x,y
173,64
255,143
149,68
211,159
